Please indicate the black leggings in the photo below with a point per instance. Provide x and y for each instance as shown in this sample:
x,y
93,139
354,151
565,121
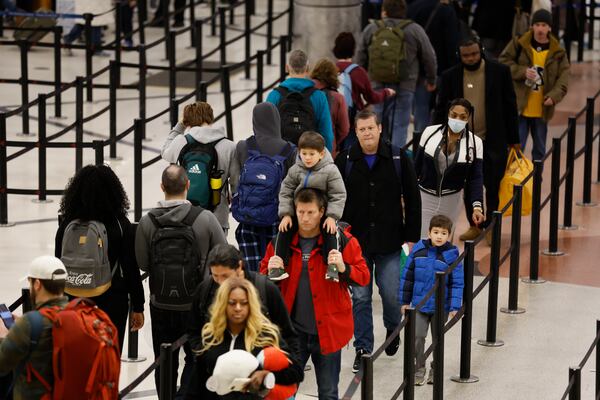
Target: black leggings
x,y
283,241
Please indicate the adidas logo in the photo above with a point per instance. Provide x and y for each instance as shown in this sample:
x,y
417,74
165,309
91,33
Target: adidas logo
x,y
262,177
385,43
194,170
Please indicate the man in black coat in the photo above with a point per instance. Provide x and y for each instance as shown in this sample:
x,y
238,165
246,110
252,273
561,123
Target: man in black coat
x,y
379,178
488,85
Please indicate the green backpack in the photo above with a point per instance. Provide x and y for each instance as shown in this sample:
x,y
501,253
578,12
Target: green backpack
x,y
201,161
387,53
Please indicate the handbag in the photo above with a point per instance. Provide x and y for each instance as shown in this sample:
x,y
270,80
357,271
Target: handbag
x,y
520,21
518,167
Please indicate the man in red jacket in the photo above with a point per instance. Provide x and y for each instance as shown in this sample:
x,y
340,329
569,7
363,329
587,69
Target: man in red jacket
x,y
321,310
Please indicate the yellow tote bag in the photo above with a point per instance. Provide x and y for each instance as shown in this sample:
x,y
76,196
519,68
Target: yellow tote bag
x,y
517,169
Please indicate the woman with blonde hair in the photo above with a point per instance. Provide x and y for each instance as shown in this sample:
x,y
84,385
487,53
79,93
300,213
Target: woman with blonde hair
x,y
237,322
325,76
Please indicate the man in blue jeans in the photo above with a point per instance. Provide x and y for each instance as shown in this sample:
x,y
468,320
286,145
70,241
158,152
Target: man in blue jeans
x,y
379,49
383,206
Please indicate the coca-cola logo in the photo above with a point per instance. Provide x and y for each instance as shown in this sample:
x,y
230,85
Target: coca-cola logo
x,y
80,279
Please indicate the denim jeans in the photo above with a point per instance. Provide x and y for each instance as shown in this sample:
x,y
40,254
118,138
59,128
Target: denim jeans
x,y
422,111
386,270
539,130
327,366
167,327
394,114
78,29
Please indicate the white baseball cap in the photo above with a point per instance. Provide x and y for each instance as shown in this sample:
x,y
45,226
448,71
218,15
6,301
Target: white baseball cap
x,y
48,268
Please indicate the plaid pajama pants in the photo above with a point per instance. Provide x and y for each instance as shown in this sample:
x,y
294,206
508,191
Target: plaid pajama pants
x,y
253,241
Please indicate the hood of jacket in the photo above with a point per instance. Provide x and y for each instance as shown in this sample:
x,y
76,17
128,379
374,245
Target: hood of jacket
x,y
171,211
266,121
449,251
525,42
297,84
323,162
207,134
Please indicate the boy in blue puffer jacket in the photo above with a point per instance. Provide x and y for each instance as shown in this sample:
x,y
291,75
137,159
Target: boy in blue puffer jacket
x,y
427,257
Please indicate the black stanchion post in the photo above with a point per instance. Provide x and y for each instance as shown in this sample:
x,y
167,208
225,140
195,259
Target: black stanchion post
x,y
534,247
192,22
142,83
269,31
171,56
282,57
568,28
587,162
112,104
575,374
138,134
291,19
591,21
252,6
568,202
199,61
23,49
467,319
581,30
26,295
118,33
3,175
42,151
132,343
98,152
515,236
247,46
366,386
166,391
409,354
439,319
597,359
57,72
260,57
222,36
142,17
226,85
89,51
78,123
202,91
166,27
173,111
492,314
554,200
232,12
213,20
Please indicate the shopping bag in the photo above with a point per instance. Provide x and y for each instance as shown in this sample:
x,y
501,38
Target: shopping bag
x,y
517,169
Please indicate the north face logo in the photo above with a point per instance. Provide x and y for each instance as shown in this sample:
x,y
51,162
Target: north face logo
x,y
385,43
194,170
262,177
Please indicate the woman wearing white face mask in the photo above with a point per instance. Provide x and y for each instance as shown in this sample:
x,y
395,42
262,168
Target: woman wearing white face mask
x,y
450,159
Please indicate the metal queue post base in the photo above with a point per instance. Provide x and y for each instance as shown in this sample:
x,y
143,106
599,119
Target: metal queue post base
x,y
537,281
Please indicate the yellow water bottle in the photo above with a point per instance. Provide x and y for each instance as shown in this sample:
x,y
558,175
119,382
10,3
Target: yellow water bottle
x,y
216,184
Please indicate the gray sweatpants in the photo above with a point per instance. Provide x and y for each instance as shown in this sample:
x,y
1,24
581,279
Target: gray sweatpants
x,y
422,326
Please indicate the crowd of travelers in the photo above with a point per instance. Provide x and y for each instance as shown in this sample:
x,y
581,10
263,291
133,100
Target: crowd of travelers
x,y
327,201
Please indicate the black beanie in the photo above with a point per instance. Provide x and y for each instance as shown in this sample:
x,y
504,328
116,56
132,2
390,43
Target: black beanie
x,y
344,45
542,15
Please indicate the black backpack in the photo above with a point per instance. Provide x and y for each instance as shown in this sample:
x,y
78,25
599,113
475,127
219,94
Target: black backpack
x,y
296,112
175,269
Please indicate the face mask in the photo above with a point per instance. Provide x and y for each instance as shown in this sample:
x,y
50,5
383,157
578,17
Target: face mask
x,y
473,67
456,125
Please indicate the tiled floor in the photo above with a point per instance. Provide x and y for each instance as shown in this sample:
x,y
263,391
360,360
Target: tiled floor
x,y
540,345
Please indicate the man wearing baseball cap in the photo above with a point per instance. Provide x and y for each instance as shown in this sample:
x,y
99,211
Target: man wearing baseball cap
x,y
540,72
46,278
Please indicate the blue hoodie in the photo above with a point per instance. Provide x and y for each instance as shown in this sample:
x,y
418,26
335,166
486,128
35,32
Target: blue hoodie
x,y
319,102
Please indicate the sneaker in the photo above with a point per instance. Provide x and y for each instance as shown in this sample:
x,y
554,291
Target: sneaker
x,y
470,234
332,273
420,377
358,360
127,43
393,347
430,377
101,53
278,274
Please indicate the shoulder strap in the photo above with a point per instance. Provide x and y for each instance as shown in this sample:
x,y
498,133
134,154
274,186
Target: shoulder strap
x,y
283,91
380,24
306,93
251,144
286,151
397,160
350,68
189,139
36,324
191,216
431,16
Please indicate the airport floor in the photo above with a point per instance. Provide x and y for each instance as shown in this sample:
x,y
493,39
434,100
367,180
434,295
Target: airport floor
x,y
554,333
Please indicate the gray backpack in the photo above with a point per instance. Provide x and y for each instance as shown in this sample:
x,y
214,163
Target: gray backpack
x,y
85,255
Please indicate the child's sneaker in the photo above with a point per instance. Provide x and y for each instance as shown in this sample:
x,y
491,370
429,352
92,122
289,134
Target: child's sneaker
x,y
420,377
278,274
430,377
332,273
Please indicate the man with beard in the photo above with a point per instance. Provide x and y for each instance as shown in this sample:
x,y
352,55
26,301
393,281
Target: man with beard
x,y
488,85
47,277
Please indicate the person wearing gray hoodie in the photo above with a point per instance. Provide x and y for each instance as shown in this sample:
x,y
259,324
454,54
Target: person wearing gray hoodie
x,y
197,120
169,317
253,239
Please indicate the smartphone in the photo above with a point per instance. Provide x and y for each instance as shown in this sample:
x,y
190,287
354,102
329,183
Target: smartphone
x,y
6,316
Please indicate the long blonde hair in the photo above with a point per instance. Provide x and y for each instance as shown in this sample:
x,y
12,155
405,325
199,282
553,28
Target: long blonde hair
x,y
259,331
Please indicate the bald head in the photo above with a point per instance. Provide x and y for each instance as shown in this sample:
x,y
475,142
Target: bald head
x,y
174,181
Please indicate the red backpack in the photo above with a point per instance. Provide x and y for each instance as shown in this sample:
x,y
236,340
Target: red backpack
x,y
85,356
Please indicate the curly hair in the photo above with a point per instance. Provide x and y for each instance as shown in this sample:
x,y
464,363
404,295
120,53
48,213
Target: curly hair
x,y
259,332
94,193
326,72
